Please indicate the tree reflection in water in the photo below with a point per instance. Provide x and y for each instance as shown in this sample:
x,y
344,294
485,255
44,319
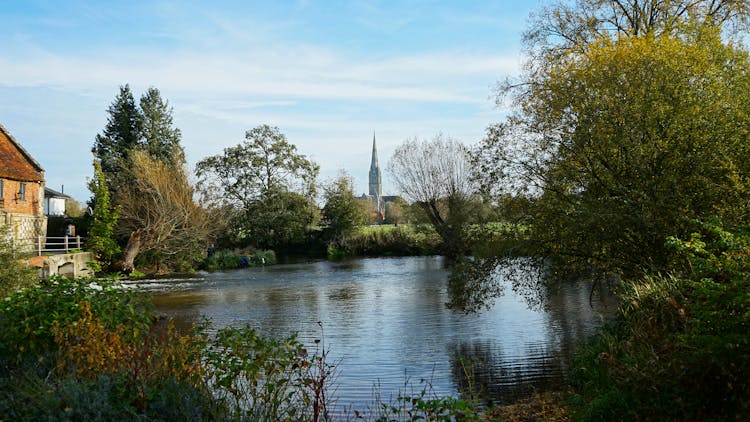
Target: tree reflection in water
x,y
474,284
498,373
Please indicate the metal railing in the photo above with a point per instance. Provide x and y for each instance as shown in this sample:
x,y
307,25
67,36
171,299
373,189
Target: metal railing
x,y
62,244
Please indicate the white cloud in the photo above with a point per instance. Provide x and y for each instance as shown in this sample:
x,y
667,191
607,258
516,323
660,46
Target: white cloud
x,y
301,72
228,76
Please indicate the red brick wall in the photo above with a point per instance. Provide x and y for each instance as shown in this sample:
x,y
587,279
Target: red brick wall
x,y
33,203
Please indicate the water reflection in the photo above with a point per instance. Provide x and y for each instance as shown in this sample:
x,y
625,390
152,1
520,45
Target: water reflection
x,y
385,321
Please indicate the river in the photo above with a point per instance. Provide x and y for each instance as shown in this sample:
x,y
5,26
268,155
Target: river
x,y
385,322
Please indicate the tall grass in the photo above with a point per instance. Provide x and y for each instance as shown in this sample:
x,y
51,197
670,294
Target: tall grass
x,y
387,240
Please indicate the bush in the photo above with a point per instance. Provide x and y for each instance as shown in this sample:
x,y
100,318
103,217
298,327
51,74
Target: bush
x,y
387,241
227,260
266,379
74,350
27,317
679,349
14,274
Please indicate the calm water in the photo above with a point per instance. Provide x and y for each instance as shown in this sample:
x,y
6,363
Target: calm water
x,y
385,321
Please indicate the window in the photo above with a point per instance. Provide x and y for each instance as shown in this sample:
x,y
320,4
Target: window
x,y
22,191
2,190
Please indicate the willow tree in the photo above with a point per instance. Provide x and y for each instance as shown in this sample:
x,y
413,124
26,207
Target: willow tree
x,y
436,176
631,120
159,215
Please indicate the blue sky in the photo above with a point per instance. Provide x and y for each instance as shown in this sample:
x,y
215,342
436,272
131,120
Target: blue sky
x,y
327,73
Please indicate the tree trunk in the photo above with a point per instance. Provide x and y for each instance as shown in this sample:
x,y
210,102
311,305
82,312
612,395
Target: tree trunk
x,y
131,251
453,243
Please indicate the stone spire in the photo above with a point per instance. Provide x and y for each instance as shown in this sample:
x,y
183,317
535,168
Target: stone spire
x,y
374,163
376,185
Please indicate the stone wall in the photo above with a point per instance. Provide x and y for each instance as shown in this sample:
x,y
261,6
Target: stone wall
x,y
25,229
69,265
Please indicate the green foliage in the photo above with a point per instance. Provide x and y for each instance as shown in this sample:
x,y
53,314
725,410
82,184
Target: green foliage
x,y
263,258
264,162
279,219
27,317
227,260
679,349
159,138
624,139
262,378
489,238
423,404
384,240
14,274
76,350
131,134
269,185
121,134
101,231
342,213
129,128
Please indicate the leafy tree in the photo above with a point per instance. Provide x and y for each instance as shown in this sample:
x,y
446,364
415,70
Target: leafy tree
x,y
160,138
436,176
74,208
395,211
101,239
159,215
368,208
625,136
342,213
264,162
270,185
279,219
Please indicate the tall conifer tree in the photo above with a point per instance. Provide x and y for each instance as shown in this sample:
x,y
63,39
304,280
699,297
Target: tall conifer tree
x,y
121,134
160,138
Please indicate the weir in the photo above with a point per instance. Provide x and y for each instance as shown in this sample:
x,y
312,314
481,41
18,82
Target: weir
x,y
71,265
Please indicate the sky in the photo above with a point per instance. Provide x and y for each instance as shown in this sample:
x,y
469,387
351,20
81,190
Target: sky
x,y
328,74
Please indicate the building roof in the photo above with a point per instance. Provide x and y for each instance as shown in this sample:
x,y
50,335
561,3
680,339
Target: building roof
x,y
15,162
51,193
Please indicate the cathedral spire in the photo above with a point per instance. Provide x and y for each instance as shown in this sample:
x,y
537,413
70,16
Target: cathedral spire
x,y
376,184
374,162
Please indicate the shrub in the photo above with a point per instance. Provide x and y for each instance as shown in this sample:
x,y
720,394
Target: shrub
x,y
267,379
27,317
14,274
388,241
72,349
227,260
679,349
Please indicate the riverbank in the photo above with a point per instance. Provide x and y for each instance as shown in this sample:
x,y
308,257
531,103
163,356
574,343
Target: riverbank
x,y
77,349
669,332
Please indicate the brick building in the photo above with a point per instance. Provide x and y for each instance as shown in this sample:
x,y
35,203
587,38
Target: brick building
x,y
21,192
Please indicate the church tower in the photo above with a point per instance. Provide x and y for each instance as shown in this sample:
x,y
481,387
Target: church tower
x,y
376,185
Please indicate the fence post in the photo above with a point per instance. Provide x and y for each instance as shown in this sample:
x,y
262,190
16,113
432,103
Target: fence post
x,y
39,246
78,242
66,243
